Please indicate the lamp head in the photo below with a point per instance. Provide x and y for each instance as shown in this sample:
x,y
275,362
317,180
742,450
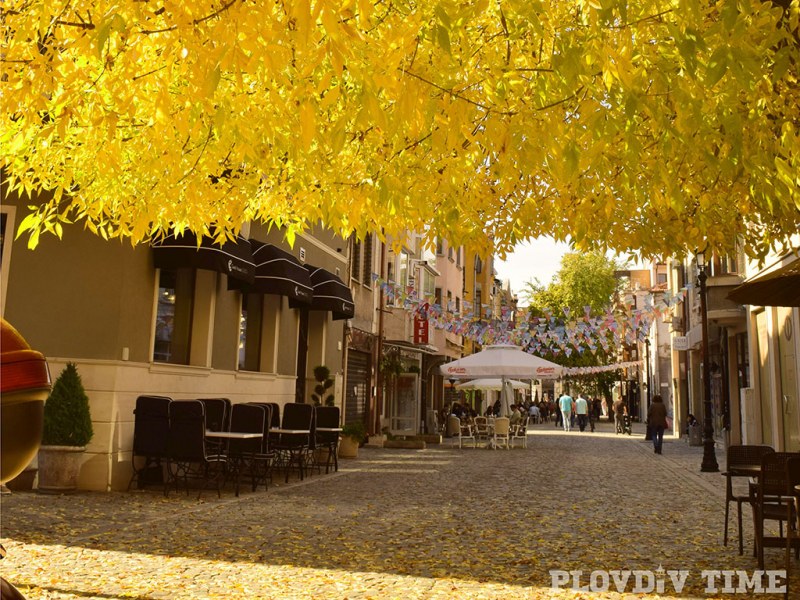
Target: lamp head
x,y
700,257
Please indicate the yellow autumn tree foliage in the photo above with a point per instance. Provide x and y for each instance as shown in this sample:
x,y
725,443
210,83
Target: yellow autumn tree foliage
x,y
653,126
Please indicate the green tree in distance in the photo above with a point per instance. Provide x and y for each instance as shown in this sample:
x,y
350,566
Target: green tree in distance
x,y
584,280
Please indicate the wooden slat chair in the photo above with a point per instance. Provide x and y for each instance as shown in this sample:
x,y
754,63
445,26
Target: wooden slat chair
x,y
738,456
772,498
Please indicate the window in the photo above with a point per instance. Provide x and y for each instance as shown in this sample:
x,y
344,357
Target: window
x,y
458,304
478,298
355,258
437,296
428,284
174,316
478,264
439,246
661,278
450,252
250,326
366,269
458,256
402,272
449,301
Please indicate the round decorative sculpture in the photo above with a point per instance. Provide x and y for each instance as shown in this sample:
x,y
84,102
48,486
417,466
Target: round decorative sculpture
x,y
24,386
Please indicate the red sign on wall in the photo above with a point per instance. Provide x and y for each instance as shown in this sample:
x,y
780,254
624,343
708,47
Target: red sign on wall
x,y
420,330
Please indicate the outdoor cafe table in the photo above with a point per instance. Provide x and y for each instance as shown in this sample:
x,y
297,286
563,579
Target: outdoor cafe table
x,y
234,435
329,429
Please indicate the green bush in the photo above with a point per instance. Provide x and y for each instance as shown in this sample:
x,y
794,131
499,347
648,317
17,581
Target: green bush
x,y
67,420
355,430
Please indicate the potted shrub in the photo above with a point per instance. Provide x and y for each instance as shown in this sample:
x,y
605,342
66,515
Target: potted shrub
x,y
67,430
322,393
353,435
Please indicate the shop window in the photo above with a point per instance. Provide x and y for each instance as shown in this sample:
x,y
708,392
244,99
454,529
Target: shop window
x,y
174,316
250,327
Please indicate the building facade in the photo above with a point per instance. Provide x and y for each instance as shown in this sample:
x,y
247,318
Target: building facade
x,y
135,325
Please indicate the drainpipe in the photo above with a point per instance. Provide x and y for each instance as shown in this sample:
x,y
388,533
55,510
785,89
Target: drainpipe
x,y
376,418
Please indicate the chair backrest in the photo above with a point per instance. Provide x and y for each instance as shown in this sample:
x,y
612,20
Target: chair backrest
x,y
773,478
187,423
151,426
217,418
276,415
793,472
453,426
297,415
327,416
502,425
267,406
481,424
247,418
746,455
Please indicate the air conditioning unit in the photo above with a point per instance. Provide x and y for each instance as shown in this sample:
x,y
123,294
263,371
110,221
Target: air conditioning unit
x,y
751,424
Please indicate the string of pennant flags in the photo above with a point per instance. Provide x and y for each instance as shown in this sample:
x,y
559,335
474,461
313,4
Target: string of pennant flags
x,y
565,333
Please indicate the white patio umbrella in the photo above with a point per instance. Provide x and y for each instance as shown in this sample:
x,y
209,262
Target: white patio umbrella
x,y
494,383
504,361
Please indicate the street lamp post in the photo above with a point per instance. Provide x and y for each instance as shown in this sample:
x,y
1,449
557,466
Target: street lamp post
x,y
709,464
649,431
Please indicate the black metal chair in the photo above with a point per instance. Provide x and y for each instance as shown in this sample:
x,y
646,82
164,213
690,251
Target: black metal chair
x,y
740,456
150,431
328,417
187,457
293,448
266,456
245,454
217,413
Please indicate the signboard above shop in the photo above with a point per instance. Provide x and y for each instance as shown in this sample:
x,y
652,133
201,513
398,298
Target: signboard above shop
x,y
680,343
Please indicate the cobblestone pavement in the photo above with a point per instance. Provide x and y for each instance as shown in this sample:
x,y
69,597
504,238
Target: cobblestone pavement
x,y
435,523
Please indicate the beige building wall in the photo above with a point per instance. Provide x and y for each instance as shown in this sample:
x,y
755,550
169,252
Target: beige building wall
x,y
89,301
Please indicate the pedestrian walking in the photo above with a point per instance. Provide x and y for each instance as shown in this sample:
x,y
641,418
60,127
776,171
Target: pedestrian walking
x,y
582,411
619,414
565,404
657,420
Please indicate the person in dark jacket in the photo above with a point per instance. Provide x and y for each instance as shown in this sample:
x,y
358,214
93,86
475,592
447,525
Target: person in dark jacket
x,y
657,420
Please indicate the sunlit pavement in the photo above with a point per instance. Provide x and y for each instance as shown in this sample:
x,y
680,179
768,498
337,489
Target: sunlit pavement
x,y
436,523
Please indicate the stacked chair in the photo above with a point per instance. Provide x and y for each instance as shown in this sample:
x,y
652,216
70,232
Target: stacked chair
x,y
187,456
739,455
248,455
150,432
328,417
293,448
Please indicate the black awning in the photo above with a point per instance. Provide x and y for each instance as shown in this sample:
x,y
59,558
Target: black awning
x,y
278,272
177,251
780,287
330,294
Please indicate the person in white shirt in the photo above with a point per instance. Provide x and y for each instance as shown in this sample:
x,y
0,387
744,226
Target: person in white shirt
x,y
565,404
582,411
